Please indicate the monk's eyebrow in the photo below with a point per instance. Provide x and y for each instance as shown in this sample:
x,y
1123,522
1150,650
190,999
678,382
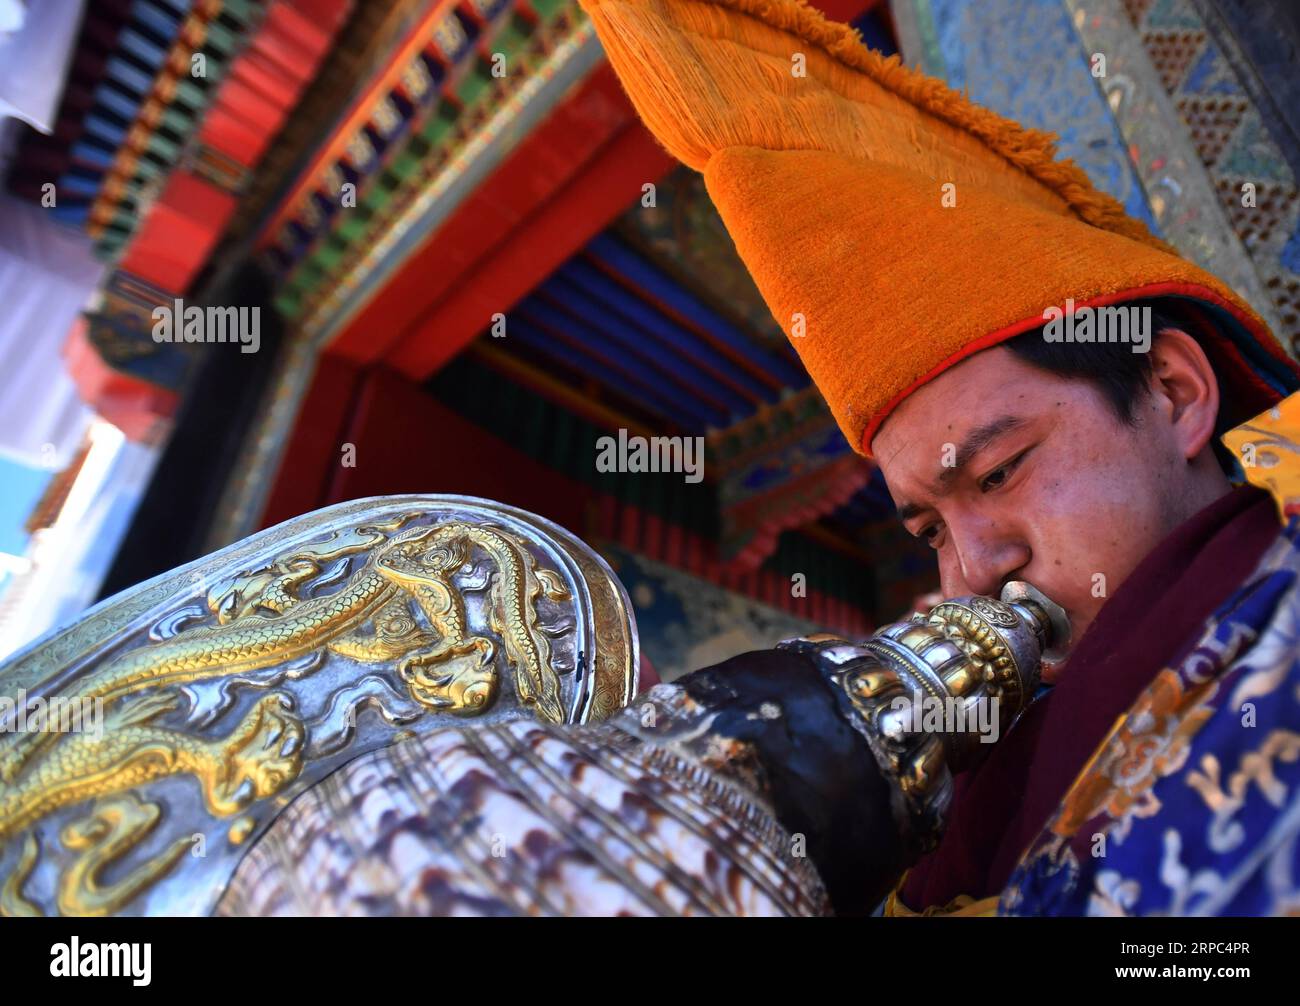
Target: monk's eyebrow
x,y
974,442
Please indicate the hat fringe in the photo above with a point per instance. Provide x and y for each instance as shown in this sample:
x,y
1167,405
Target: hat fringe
x,y
639,34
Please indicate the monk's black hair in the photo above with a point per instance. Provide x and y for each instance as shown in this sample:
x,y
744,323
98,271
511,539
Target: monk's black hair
x,y
1121,375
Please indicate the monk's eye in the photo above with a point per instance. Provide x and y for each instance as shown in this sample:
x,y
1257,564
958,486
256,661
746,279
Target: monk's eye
x,y
999,475
930,534
994,479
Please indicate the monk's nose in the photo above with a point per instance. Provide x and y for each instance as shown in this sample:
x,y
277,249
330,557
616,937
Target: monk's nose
x,y
989,557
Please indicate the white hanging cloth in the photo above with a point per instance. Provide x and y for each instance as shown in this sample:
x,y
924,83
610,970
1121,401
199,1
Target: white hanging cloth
x,y
47,275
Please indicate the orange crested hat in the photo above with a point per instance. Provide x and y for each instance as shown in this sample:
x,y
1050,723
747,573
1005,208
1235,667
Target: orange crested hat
x,y
893,226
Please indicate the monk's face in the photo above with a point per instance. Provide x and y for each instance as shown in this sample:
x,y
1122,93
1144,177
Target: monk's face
x,y
1012,473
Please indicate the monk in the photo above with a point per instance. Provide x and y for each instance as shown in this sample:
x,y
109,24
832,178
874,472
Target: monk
x,y
1054,395
1091,472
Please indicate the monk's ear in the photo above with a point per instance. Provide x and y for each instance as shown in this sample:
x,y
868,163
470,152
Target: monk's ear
x,y
1184,380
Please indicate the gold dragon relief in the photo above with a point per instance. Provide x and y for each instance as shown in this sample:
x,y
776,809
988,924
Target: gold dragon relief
x,y
268,667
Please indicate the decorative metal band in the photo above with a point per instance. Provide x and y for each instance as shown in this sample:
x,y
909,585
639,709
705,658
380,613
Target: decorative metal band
x,y
867,680
973,660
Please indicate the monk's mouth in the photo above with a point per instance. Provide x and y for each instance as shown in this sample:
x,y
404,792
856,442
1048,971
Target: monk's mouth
x,y
1056,627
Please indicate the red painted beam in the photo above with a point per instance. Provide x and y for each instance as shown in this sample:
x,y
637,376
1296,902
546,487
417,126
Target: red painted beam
x,y
139,409
293,38
563,184
179,231
406,442
534,250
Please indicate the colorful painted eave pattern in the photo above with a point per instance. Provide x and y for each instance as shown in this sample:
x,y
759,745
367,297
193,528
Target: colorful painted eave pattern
x,y
144,75
188,75
253,101
456,65
163,196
